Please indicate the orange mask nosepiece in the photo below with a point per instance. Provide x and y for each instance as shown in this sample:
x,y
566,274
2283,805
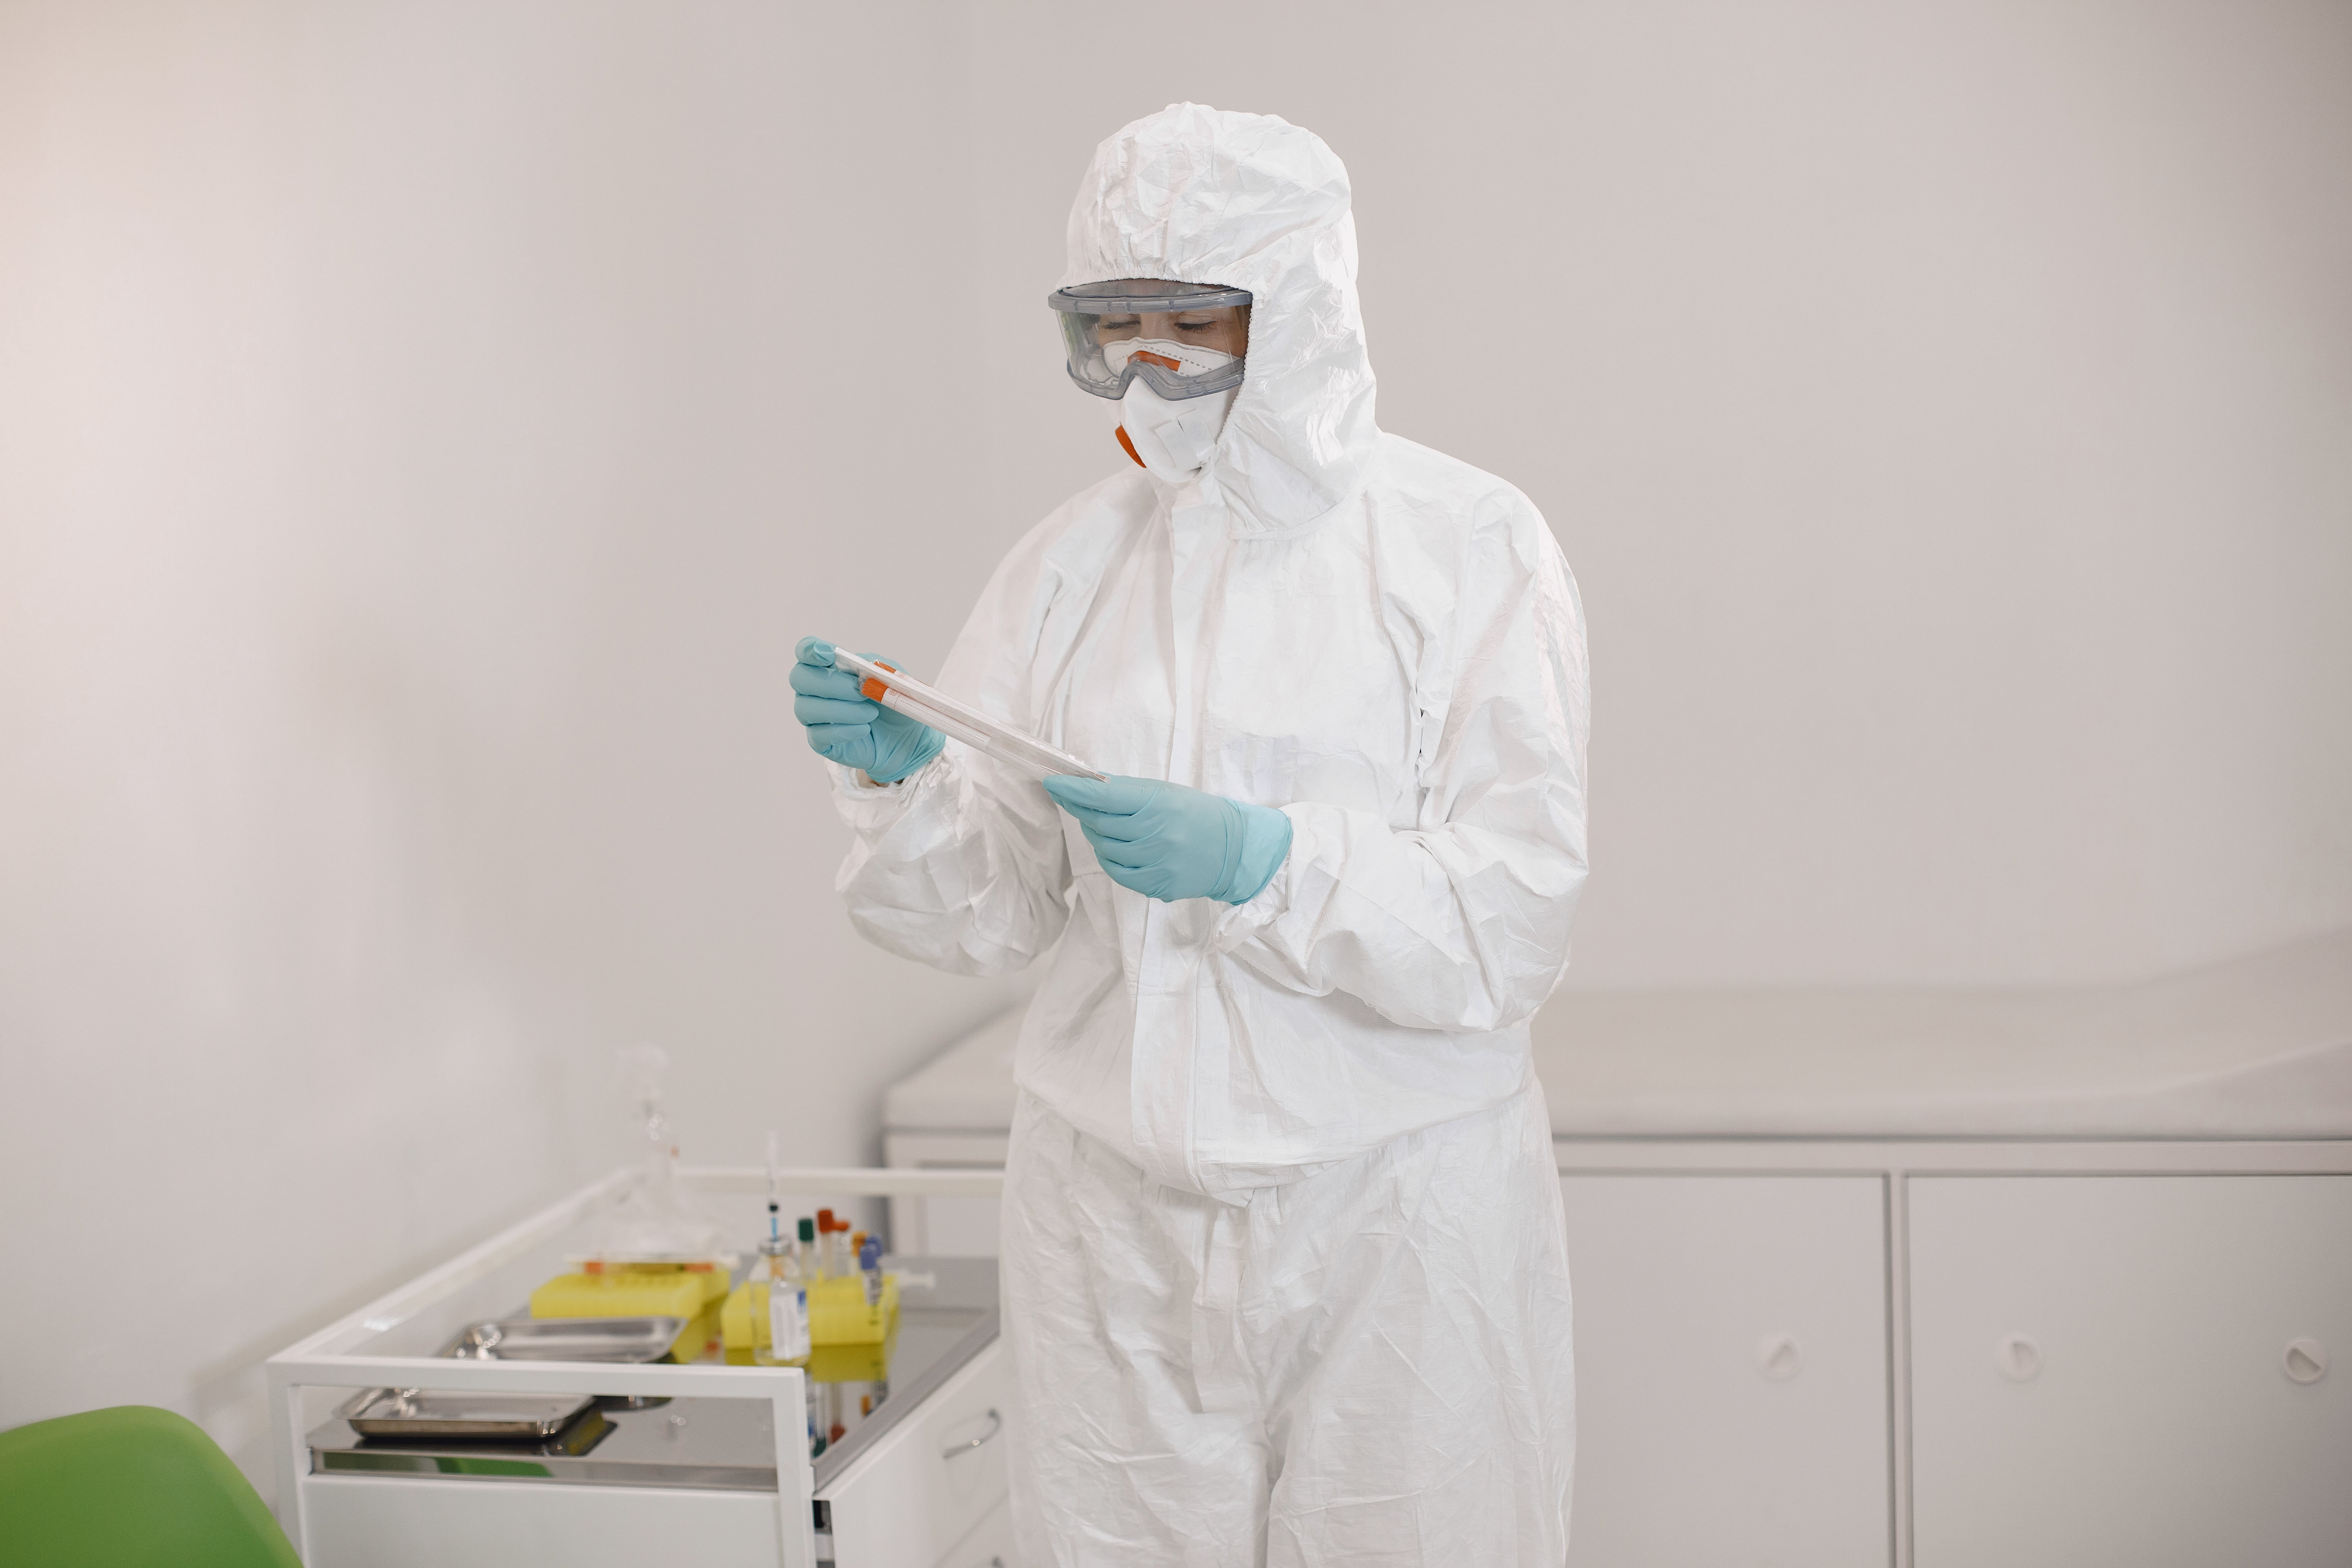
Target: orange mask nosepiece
x,y
1128,447
1163,360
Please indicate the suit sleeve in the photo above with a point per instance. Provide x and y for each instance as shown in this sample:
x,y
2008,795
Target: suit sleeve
x,y
1461,921
964,866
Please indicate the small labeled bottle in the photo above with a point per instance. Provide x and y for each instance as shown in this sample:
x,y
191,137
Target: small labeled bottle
x,y
870,1265
779,1289
787,1303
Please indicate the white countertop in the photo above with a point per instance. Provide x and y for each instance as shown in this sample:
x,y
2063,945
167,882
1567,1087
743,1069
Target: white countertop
x,y
2258,1048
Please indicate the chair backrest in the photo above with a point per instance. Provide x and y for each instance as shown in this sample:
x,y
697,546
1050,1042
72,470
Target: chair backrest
x,y
133,1487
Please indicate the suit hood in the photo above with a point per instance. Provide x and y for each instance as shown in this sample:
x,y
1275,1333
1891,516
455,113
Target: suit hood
x,y
1194,194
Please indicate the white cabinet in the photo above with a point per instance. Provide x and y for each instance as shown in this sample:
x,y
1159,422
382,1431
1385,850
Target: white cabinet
x,y
2134,1194
2131,1369
928,1483
990,1545
705,1450
1731,1369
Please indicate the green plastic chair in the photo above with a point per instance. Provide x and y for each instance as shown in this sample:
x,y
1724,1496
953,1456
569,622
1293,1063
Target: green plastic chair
x,y
133,1487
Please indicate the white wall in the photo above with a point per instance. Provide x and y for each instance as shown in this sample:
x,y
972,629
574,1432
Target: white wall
x,y
405,415
424,429
1947,410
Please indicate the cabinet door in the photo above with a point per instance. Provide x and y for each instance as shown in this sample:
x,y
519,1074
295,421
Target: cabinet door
x,y
1731,1371
399,1522
990,1545
932,1478
2131,1369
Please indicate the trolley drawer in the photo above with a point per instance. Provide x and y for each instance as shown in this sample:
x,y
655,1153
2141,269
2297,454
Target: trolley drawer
x,y
931,1480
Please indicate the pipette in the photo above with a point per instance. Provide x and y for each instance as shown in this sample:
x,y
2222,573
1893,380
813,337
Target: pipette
x,y
775,1188
929,705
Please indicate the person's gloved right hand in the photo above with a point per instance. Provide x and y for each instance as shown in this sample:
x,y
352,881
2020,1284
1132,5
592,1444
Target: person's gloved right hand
x,y
848,728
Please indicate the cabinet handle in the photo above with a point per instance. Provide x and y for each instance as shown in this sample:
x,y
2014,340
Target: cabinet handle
x,y
2018,1358
995,1425
1779,1357
2305,1361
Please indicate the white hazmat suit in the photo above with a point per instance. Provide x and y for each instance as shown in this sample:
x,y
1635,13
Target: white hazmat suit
x,y
1285,1274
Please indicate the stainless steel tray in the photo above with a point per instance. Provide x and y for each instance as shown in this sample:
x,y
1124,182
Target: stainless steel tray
x,y
422,1413
947,1316
566,1339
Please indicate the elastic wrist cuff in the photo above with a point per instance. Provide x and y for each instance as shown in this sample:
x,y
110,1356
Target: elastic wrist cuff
x,y
1266,844
930,754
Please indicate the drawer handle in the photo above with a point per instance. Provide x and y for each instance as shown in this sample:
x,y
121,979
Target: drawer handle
x,y
2305,1361
995,1425
2018,1358
1779,1357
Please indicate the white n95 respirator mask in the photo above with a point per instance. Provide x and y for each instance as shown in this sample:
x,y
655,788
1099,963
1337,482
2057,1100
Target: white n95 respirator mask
x,y
1173,439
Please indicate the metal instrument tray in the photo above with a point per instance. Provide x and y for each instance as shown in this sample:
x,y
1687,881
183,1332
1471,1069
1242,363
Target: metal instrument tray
x,y
423,1413
947,1317
566,1339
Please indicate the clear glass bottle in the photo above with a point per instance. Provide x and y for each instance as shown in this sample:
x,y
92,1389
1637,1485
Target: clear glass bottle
x,y
784,1299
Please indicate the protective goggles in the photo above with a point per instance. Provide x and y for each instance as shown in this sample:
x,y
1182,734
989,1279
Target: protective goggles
x,y
1182,340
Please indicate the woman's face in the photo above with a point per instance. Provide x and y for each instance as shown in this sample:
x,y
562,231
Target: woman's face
x,y
1224,329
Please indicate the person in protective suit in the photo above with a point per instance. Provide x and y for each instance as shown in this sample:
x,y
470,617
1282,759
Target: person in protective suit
x,y
1285,1272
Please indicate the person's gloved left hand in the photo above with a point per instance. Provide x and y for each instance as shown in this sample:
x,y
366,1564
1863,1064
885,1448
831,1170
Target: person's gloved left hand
x,y
1168,841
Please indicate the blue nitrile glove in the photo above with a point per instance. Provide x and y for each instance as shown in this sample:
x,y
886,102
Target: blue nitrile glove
x,y
850,729
1167,841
